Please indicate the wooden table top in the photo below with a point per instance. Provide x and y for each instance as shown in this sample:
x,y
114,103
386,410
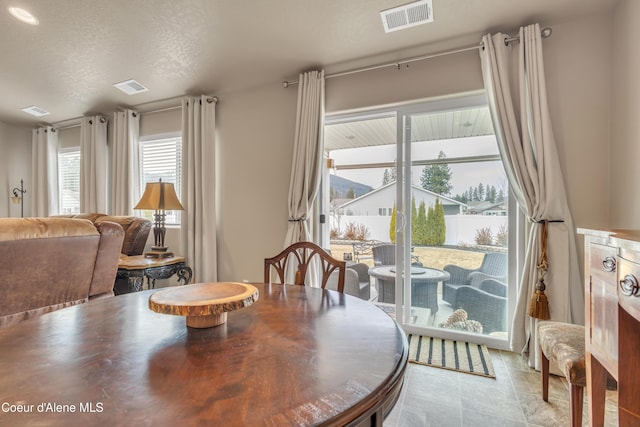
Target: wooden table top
x,y
297,356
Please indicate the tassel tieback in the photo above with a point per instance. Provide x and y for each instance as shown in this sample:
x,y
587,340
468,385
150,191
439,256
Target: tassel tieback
x,y
539,305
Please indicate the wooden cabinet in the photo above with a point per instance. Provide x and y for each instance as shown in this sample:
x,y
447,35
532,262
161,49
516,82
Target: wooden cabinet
x,y
602,305
612,320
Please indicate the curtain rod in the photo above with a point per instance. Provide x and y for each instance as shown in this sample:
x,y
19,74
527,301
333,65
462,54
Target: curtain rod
x,y
210,99
545,32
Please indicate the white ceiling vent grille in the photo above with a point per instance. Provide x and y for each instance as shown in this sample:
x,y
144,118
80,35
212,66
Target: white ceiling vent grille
x,y
35,111
407,16
131,87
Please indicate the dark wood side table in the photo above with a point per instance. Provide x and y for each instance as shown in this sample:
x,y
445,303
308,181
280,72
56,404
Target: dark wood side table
x,y
136,268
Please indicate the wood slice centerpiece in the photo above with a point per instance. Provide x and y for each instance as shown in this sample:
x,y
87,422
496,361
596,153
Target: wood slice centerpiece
x,y
204,304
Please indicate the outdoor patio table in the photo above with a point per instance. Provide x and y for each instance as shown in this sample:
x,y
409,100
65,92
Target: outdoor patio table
x,y
424,285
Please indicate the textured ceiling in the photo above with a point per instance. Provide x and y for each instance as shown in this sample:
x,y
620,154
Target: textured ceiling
x,y
68,63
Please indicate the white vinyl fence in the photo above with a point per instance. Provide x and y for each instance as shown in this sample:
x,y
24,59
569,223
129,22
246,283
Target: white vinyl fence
x,y
461,229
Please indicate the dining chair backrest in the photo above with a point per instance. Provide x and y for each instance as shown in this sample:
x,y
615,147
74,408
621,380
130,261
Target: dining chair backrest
x,y
302,254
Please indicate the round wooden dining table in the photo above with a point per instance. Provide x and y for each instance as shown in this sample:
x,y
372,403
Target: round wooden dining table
x,y
298,356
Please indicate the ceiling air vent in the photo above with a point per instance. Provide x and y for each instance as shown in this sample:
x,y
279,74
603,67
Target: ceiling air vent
x,y
131,87
407,16
35,111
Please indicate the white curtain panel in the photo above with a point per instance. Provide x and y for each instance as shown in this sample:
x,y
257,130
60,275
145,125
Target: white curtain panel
x,y
125,182
44,172
515,84
306,167
198,193
93,164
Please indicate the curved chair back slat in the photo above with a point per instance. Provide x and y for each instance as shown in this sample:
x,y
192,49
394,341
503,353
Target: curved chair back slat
x,y
302,253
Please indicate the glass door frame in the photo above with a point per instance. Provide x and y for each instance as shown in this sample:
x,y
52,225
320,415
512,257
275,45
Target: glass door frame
x,y
403,163
403,231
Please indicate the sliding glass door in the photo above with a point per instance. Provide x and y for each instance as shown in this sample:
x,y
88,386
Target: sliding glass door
x,y
418,193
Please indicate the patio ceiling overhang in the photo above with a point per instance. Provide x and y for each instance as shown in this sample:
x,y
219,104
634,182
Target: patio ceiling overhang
x,y
452,124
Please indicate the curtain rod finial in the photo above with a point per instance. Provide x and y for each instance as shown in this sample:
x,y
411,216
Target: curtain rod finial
x,y
285,84
546,32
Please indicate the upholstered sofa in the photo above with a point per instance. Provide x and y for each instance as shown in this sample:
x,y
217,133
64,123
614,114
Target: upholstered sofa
x,y
52,263
136,230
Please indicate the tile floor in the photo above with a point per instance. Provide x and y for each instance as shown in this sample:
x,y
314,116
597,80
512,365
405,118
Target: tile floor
x,y
441,398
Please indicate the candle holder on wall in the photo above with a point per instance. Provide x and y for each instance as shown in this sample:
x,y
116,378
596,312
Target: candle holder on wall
x,y
18,197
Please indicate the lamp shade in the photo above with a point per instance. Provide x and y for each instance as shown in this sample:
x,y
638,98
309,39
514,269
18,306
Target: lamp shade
x,y
159,195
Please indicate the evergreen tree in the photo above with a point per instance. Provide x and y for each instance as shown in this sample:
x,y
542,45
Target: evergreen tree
x,y
500,197
480,191
389,176
392,225
475,197
431,225
414,218
440,228
491,194
420,226
351,194
437,178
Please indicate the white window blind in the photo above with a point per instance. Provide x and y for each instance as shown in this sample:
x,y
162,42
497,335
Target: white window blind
x,y
161,159
69,180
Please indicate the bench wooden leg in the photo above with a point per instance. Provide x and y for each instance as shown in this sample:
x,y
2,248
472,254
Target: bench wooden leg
x,y
544,370
575,404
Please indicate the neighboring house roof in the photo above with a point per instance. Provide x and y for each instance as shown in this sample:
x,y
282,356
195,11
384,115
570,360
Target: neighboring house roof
x,y
443,199
482,206
336,203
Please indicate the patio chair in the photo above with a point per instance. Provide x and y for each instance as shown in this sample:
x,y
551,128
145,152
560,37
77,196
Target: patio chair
x,y
353,283
385,254
485,303
494,266
302,253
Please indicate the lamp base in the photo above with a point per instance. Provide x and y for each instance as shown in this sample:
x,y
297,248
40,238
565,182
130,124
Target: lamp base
x,y
157,252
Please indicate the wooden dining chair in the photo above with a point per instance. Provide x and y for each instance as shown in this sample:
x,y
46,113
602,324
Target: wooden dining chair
x,y
303,253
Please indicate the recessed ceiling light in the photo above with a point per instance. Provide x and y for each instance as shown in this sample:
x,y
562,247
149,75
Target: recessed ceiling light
x,y
35,111
131,87
23,15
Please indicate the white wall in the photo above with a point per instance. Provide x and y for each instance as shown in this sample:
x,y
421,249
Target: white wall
x,y
256,127
15,164
625,117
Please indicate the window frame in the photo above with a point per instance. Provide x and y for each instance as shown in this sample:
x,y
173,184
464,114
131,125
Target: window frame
x,y
61,154
173,218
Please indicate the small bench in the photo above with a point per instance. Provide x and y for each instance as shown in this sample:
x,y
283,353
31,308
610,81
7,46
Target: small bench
x,y
563,343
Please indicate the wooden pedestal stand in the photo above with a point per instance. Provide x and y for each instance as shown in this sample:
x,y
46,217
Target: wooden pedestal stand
x,y
204,304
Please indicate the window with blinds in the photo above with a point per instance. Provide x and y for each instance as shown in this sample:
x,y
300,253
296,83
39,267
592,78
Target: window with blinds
x,y
69,180
161,158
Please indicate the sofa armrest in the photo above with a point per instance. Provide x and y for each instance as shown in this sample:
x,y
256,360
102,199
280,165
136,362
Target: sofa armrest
x,y
107,259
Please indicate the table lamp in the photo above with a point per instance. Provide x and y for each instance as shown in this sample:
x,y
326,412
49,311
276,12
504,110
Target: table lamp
x,y
159,196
